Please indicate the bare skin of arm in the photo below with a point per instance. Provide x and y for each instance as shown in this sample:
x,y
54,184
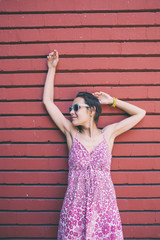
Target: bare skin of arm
x,y
113,130
48,99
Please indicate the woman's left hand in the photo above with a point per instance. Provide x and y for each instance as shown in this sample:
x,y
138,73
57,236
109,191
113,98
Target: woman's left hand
x,y
103,98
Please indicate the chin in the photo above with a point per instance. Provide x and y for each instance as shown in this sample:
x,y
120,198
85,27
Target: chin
x,y
75,122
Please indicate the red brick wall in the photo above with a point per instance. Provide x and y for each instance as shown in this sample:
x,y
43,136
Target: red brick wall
x,y
113,46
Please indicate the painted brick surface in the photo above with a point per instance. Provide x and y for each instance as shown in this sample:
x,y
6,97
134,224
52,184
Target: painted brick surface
x,y
103,44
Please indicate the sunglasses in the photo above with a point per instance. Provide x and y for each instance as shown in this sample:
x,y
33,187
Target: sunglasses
x,y
76,106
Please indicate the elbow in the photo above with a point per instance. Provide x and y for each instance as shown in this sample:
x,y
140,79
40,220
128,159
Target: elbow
x,y
143,113
47,102
44,101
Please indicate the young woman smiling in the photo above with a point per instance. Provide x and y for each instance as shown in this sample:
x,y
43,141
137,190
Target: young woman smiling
x,y
89,208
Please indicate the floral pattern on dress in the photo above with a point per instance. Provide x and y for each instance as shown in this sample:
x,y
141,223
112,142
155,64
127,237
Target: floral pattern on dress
x,y
89,210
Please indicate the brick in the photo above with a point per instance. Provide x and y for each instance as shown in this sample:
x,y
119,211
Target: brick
x,y
118,163
123,177
83,79
24,150
138,135
37,6
27,192
39,122
83,48
53,218
125,93
56,204
35,108
136,18
83,64
78,19
81,34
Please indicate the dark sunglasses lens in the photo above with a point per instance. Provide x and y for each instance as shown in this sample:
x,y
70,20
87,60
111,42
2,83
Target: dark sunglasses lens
x,y
76,107
70,109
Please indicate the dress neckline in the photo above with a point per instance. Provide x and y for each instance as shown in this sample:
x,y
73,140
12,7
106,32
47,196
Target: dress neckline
x,y
92,149
90,152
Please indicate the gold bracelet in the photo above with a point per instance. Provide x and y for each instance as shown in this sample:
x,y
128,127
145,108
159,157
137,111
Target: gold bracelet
x,y
114,102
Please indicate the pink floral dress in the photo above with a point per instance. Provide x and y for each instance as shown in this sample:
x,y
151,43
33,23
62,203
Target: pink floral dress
x,y
89,210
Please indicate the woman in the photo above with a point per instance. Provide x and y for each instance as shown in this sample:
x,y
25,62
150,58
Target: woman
x,y
89,208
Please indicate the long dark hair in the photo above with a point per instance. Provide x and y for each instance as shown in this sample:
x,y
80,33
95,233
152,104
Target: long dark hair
x,y
92,101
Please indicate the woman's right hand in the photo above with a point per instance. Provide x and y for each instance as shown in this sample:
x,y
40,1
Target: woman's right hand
x,y
53,59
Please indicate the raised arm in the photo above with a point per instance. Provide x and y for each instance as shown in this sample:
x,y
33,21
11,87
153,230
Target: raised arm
x,y
48,95
118,128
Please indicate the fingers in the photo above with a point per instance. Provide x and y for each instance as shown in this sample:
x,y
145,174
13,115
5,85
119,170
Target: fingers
x,y
53,54
97,93
55,51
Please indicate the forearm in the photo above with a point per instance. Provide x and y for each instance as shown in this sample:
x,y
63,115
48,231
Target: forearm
x,y
129,108
48,94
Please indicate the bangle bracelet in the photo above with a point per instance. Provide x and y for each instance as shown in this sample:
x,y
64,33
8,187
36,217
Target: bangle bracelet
x,y
114,102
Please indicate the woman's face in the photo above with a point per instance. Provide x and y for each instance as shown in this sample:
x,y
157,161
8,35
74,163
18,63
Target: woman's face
x,y
82,116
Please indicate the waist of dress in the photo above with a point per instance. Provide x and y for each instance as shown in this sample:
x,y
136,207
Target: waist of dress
x,y
100,168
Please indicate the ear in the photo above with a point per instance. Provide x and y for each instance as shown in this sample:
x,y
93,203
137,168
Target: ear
x,y
93,109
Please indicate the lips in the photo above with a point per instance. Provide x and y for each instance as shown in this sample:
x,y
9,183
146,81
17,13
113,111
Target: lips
x,y
74,118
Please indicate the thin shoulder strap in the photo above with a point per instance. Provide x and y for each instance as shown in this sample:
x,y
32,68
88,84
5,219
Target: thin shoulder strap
x,y
76,133
103,133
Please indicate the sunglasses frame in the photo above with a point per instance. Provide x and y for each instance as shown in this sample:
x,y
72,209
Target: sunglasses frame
x,y
79,105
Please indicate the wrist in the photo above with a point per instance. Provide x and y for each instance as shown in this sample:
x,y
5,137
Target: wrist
x,y
111,101
52,68
114,102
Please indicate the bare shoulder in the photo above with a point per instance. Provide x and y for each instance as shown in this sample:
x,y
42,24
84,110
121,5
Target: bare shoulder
x,y
71,131
108,130
70,135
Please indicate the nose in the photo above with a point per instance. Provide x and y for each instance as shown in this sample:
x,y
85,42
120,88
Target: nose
x,y
72,112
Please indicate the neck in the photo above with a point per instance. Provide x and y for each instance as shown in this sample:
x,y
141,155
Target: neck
x,y
90,131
